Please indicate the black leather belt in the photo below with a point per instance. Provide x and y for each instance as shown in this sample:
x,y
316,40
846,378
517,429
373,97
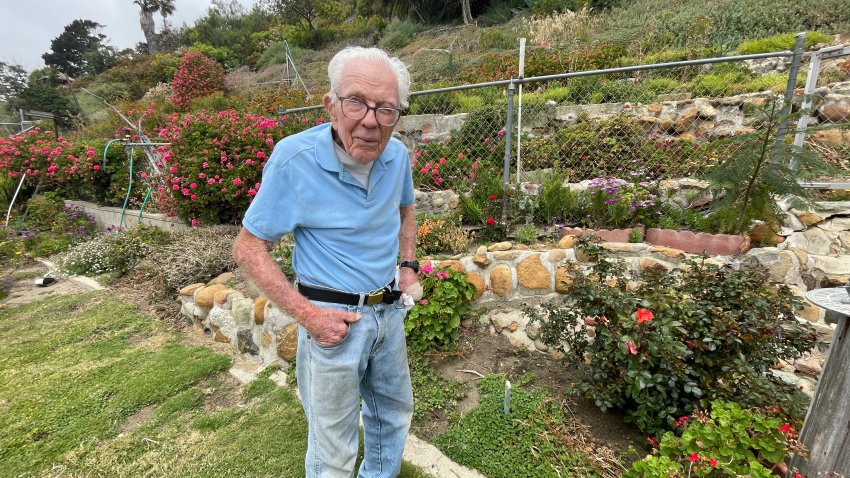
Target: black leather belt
x,y
385,295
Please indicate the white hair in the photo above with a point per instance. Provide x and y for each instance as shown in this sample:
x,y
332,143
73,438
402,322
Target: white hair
x,y
361,54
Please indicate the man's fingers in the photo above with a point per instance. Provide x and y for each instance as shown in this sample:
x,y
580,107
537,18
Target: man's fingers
x,y
349,317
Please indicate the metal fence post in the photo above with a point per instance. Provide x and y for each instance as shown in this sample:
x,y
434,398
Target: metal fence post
x,y
789,96
509,126
808,91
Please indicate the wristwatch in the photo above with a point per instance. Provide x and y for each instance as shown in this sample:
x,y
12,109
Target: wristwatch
x,y
411,264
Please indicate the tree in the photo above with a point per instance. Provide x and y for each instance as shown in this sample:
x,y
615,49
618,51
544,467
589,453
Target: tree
x,y
297,11
467,12
40,93
13,80
68,50
146,10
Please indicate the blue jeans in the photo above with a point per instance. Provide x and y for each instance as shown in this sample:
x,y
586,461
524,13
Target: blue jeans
x,y
369,364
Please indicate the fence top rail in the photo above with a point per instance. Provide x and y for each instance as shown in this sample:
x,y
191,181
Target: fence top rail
x,y
576,74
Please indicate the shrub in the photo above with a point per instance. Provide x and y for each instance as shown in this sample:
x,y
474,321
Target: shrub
x,y
197,76
477,150
499,12
616,203
608,146
222,55
439,104
399,34
781,42
441,235
717,23
218,101
141,73
192,256
557,203
526,234
545,61
117,251
674,341
494,38
546,7
49,213
559,30
215,163
434,320
48,228
727,442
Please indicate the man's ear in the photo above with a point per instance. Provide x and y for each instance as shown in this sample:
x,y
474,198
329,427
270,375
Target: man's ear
x,y
327,101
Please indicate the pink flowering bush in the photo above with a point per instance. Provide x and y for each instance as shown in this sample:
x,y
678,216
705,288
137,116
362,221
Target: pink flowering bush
x,y
197,76
213,168
478,149
71,169
434,321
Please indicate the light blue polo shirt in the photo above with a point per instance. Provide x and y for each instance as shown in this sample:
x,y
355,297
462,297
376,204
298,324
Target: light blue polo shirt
x,y
346,236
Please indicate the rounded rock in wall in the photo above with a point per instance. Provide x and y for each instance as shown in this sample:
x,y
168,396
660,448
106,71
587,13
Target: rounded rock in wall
x,y
205,296
532,274
475,279
501,280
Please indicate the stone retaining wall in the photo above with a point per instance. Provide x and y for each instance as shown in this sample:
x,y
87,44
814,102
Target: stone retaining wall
x,y
814,256
675,116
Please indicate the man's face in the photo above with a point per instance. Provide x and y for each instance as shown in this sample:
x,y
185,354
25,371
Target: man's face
x,y
374,84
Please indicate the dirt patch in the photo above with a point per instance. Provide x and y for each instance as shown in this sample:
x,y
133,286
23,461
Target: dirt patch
x,y
225,392
25,290
483,352
149,298
137,419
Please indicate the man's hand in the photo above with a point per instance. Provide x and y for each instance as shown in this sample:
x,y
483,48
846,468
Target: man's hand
x,y
329,326
409,283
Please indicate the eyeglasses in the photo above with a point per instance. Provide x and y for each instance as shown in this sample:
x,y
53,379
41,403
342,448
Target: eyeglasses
x,y
354,109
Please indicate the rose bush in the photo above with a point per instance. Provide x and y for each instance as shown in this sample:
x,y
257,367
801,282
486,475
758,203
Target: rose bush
x,y
667,342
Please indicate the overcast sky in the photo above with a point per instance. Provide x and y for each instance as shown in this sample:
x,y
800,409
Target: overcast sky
x,y
28,26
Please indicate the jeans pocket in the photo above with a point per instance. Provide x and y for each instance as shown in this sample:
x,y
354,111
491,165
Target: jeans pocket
x,y
336,345
334,305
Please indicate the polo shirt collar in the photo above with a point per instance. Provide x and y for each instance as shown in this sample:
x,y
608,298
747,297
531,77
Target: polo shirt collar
x,y
326,155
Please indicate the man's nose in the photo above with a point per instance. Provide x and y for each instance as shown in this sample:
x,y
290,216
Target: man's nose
x,y
371,118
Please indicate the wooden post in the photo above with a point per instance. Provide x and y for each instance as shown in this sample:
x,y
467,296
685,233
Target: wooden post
x,y
826,431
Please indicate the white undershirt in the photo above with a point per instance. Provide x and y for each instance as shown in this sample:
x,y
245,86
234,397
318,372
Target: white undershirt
x,y
357,169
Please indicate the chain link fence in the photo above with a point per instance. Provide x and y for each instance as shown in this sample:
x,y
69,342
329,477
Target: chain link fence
x,y
824,127
653,122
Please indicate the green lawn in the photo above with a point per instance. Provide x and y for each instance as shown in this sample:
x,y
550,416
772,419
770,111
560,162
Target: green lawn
x,y
93,388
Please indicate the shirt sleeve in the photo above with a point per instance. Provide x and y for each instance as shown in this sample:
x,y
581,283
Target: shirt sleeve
x,y
274,211
407,195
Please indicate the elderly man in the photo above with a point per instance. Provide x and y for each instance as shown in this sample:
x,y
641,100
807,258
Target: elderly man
x,y
345,190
